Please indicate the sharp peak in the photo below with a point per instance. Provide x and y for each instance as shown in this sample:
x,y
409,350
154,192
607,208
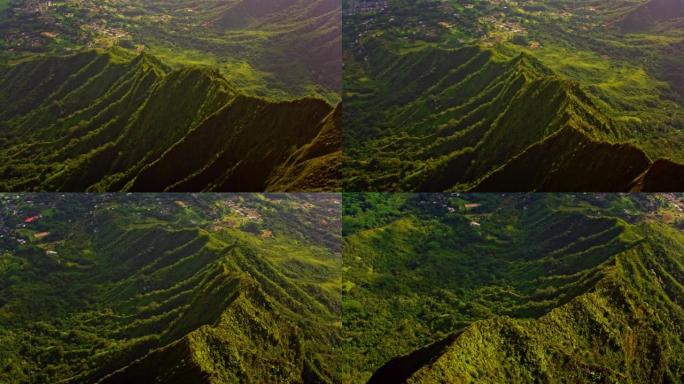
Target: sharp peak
x,y
531,64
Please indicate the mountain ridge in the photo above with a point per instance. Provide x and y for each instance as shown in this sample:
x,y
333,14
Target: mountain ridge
x,y
477,114
109,144
475,353
206,288
454,287
443,95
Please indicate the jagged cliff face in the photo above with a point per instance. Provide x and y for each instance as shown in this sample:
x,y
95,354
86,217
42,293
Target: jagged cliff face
x,y
154,288
513,288
112,121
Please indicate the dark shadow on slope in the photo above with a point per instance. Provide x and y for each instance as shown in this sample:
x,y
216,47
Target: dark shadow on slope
x,y
663,176
550,166
171,364
398,370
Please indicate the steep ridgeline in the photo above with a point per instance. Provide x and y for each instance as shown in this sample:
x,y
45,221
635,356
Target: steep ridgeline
x,y
109,121
513,289
471,118
117,294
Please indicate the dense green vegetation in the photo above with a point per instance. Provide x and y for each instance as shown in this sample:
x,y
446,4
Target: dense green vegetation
x,y
4,4
276,48
474,95
467,288
169,288
111,120
421,288
170,96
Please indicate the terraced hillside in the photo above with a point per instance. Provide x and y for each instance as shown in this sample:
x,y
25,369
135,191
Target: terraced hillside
x,y
169,288
485,96
111,120
443,288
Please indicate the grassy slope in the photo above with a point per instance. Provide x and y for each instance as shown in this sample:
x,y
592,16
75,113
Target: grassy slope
x,y
456,134
96,123
150,291
270,48
409,131
626,330
315,165
416,275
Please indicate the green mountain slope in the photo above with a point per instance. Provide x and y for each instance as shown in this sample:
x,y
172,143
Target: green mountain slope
x,y
304,31
469,119
151,288
513,288
316,165
266,48
493,96
104,121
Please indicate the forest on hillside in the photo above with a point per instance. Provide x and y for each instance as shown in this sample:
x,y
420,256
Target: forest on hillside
x,y
183,96
114,288
512,288
505,96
